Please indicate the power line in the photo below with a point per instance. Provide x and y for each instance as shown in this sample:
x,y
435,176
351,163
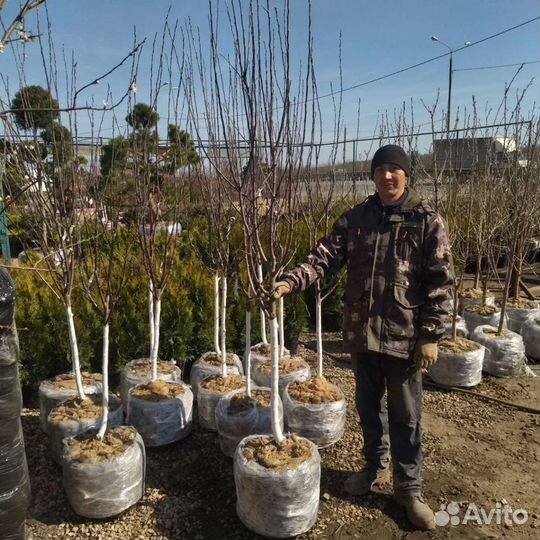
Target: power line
x,y
499,66
424,62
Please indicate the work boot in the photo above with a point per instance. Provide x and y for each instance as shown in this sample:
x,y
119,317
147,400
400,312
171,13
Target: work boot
x,y
418,512
360,483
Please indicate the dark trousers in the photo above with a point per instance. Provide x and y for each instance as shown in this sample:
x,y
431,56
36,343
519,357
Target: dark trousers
x,y
393,426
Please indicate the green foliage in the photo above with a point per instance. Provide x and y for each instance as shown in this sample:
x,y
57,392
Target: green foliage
x,y
27,102
59,142
181,151
142,117
114,156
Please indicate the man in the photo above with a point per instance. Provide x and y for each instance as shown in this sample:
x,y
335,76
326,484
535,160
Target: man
x,y
399,277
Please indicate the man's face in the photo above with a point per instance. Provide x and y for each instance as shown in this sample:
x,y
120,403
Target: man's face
x,y
390,181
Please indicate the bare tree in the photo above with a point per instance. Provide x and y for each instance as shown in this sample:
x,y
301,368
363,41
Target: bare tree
x,y
251,106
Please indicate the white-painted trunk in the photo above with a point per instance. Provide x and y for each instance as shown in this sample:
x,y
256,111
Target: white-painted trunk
x,y
318,329
247,353
277,431
264,337
223,328
105,372
151,314
155,348
281,329
216,313
74,352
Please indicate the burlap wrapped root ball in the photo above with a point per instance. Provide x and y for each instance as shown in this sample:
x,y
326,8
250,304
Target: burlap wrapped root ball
x,y
530,333
73,416
518,312
291,369
210,391
505,353
238,415
104,478
162,412
54,391
140,371
210,364
277,496
459,363
315,409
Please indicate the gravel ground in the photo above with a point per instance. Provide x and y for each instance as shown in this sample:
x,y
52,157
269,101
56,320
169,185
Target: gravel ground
x,y
475,452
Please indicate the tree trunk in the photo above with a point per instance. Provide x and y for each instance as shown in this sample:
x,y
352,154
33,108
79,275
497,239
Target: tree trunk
x,y
105,372
223,327
155,349
281,329
247,351
277,430
318,328
74,351
216,313
151,314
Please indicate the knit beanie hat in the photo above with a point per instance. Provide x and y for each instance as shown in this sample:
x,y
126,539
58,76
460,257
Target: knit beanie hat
x,y
391,153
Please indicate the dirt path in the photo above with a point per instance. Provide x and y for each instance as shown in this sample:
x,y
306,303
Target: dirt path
x,y
475,452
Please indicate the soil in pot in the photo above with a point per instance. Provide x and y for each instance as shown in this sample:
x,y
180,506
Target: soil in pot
x,y
286,365
473,293
493,333
217,383
263,349
315,390
269,454
143,367
482,309
522,303
458,345
158,390
93,450
214,359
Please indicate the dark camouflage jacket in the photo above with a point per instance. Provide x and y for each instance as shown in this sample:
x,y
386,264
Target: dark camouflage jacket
x,y
400,274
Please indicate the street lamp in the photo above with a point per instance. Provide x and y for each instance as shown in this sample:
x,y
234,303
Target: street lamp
x,y
450,71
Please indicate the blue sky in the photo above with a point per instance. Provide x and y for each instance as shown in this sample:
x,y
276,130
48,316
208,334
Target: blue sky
x,y
377,38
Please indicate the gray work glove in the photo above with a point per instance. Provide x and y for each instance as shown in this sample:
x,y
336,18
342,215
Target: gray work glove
x,y
281,288
425,354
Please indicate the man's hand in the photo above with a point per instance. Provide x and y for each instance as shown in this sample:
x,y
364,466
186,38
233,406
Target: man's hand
x,y
425,354
281,288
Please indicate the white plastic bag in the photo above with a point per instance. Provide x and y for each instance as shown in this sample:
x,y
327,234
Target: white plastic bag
x,y
58,430
517,316
105,489
206,405
50,395
530,332
233,426
164,421
505,355
321,423
132,375
277,503
458,368
202,369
